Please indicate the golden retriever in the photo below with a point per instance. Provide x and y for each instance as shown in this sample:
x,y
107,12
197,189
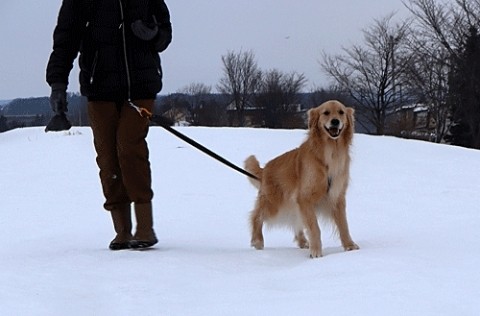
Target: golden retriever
x,y
309,180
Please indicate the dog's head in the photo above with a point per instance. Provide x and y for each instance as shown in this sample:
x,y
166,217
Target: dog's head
x,y
331,119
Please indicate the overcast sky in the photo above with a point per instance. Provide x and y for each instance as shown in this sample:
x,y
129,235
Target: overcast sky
x,y
288,35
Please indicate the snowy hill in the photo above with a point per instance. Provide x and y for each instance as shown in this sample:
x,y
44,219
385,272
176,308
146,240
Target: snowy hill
x,y
413,209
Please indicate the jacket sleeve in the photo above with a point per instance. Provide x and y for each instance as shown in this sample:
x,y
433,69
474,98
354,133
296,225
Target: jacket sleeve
x,y
164,37
67,37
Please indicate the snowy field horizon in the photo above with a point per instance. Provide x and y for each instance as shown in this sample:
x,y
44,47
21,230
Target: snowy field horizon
x,y
412,207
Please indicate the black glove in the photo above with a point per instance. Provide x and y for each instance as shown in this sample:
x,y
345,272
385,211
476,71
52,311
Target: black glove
x,y
58,98
162,40
145,31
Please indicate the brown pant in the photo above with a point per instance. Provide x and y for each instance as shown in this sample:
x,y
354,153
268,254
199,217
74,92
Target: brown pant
x,y
119,134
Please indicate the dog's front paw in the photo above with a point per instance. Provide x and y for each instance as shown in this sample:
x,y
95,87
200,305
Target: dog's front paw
x,y
315,253
257,244
351,246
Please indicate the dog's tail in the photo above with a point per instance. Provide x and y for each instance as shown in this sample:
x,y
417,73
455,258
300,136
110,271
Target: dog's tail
x,y
253,166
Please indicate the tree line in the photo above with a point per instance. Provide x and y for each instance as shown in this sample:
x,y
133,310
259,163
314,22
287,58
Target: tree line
x,y
427,62
246,96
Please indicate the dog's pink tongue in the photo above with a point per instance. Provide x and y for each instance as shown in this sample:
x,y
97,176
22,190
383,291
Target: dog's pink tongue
x,y
334,131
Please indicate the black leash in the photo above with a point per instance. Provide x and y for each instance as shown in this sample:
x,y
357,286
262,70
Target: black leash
x,y
167,125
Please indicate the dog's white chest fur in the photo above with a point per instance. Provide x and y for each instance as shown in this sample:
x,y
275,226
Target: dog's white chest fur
x,y
337,171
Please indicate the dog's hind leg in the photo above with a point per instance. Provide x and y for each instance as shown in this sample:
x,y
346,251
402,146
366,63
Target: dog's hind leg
x,y
256,222
300,238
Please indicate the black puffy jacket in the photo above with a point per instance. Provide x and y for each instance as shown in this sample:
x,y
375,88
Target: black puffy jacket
x,y
114,63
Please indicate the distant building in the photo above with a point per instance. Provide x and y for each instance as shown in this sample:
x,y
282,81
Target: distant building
x,y
412,121
178,114
294,116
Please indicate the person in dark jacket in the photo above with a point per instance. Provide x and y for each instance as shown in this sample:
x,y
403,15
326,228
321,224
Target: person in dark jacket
x,y
119,42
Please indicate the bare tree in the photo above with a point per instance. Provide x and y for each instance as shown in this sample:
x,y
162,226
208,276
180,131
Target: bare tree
x,y
212,113
438,21
240,81
196,89
318,95
278,95
427,75
372,74
198,94
446,27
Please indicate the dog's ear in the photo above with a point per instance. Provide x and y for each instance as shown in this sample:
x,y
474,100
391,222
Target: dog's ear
x,y
313,117
351,113
351,117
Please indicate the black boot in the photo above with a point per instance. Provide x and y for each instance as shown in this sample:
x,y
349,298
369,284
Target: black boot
x,y
144,236
122,223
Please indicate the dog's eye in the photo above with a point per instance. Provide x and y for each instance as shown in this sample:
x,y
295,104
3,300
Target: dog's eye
x,y
326,113
341,112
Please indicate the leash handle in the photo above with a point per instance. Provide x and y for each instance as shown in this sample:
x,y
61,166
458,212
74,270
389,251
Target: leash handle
x,y
143,112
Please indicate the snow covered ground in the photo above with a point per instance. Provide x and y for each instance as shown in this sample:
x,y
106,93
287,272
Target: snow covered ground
x,y
413,208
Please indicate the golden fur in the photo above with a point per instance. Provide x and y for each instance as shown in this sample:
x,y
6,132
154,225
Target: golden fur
x,y
310,179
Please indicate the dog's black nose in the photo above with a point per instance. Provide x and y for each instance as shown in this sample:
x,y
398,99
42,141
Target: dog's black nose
x,y
335,122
